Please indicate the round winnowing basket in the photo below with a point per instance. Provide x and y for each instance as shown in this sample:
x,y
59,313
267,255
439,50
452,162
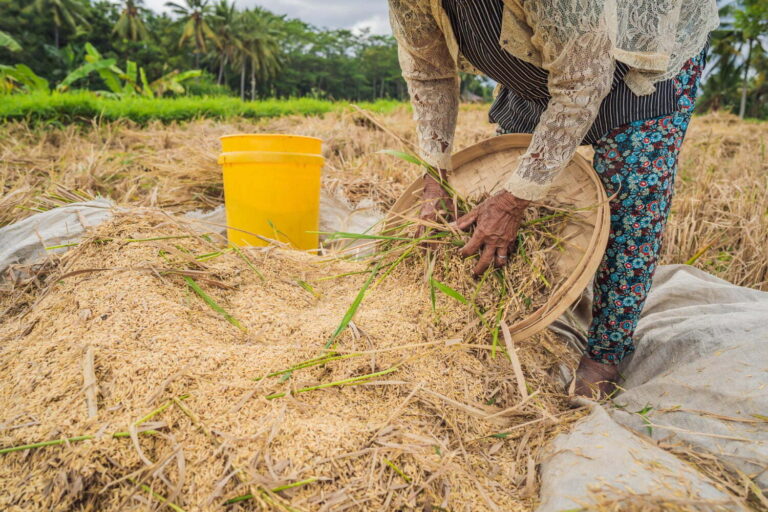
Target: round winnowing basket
x,y
480,169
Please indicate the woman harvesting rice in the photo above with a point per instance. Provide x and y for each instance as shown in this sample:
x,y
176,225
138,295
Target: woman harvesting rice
x,y
620,75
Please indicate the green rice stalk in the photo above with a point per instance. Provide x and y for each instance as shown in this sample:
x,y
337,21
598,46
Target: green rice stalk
x,y
545,218
496,327
116,435
353,308
319,361
212,255
340,235
397,262
347,274
397,470
76,439
212,303
247,497
339,383
448,290
308,287
693,259
248,262
473,301
62,246
159,497
430,170
432,295
157,411
156,238
399,227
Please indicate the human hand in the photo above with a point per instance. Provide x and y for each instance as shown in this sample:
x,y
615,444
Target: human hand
x,y
497,220
436,202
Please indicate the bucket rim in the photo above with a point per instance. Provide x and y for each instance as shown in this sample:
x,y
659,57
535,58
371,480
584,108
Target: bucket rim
x,y
265,135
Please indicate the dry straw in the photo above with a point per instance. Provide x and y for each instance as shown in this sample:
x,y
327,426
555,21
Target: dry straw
x,y
407,406
421,399
718,220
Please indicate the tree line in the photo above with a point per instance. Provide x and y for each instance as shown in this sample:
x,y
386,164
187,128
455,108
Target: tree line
x,y
255,53
250,52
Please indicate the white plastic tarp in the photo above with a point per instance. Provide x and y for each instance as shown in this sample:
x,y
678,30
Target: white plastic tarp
x,y
699,376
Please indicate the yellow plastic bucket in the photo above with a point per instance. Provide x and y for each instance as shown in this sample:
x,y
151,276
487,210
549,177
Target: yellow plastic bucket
x,y
272,193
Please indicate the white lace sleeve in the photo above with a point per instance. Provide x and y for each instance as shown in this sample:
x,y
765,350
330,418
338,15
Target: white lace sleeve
x,y
432,77
580,75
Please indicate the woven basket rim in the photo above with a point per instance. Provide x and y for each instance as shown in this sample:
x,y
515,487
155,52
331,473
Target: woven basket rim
x,y
571,289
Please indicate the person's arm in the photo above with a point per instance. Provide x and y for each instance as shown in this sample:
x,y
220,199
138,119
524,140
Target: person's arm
x,y
581,71
575,49
431,74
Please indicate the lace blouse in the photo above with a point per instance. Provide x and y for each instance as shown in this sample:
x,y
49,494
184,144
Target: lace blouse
x,y
578,43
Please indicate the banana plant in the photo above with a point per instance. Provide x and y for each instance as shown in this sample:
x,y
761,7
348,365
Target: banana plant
x,y
20,76
6,41
132,81
173,81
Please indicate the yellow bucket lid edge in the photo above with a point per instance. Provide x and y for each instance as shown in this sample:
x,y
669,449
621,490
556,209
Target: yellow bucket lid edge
x,y
239,157
270,135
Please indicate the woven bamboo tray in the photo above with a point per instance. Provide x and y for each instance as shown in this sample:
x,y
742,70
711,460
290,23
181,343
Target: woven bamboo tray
x,y
480,169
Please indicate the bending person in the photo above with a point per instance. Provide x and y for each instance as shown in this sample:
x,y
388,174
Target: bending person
x,y
620,75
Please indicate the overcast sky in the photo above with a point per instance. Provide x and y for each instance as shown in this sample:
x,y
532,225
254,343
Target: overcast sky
x,y
352,14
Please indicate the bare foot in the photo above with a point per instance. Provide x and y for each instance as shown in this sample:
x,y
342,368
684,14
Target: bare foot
x,y
595,380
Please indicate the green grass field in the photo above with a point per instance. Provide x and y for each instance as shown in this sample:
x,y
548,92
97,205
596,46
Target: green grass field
x,y
83,106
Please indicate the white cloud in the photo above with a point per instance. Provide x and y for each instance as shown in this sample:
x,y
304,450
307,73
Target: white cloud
x,y
378,24
351,14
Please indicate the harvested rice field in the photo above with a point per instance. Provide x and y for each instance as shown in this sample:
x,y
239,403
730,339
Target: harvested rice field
x,y
168,371
718,221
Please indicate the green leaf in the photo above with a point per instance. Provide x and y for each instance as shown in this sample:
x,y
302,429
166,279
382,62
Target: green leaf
x,y
25,77
92,52
308,287
448,291
406,156
83,71
6,41
432,297
212,303
353,307
146,90
339,235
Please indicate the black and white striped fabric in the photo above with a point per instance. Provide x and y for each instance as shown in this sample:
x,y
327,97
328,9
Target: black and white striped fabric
x,y
524,94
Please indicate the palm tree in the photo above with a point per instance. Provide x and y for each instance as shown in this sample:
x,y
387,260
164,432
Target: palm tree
x,y
751,18
131,24
196,14
71,13
260,48
721,81
224,22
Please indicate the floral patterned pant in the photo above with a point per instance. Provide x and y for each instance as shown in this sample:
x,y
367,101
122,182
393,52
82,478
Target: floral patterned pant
x,y
637,163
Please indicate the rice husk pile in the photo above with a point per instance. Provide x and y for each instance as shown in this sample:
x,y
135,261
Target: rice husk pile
x,y
118,341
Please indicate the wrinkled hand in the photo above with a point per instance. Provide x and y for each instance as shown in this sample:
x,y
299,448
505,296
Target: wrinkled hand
x,y
436,202
496,220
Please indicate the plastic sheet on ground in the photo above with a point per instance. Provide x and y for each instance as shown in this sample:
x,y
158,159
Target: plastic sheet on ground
x,y
701,369
601,460
26,241
699,378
